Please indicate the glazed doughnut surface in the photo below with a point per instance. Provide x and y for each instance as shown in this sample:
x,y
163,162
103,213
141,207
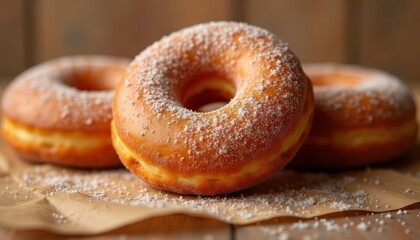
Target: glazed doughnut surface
x,y
161,137
60,111
362,116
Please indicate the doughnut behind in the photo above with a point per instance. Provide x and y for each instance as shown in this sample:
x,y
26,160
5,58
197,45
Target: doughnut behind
x,y
362,116
60,111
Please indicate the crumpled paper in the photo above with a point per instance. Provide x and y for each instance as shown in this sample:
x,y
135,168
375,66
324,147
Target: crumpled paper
x,y
74,201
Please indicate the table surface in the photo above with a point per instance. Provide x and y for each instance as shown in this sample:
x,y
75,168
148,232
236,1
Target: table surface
x,y
403,224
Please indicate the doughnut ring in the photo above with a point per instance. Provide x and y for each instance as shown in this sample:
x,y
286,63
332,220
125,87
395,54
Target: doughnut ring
x,y
362,116
60,111
160,136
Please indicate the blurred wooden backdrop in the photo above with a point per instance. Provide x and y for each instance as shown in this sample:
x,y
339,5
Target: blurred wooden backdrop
x,y
376,33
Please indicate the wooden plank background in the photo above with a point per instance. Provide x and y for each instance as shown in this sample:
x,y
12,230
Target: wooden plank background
x,y
12,44
377,33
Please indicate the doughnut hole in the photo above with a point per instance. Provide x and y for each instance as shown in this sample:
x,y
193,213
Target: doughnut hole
x,y
207,93
335,80
94,79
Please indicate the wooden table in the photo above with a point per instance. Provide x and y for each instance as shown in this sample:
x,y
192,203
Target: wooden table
x,y
391,225
342,226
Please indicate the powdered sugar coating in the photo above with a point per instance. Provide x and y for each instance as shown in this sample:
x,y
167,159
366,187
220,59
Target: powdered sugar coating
x,y
378,96
41,97
224,150
271,92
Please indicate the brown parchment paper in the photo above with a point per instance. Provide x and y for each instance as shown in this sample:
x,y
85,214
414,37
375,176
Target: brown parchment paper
x,y
73,201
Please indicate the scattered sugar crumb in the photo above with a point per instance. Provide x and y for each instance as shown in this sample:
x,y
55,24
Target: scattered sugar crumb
x,y
300,225
284,236
209,237
59,218
363,226
278,195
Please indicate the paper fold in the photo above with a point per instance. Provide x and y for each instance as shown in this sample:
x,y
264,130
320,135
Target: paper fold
x,y
73,201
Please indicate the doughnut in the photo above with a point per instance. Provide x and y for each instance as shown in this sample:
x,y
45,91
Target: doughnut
x,y
161,137
362,116
60,111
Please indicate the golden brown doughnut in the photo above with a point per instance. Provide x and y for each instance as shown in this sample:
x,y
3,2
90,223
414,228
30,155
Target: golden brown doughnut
x,y
161,138
60,111
362,116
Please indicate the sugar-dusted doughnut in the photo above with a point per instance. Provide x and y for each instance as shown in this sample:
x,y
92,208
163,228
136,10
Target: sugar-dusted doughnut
x,y
161,137
60,111
362,116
